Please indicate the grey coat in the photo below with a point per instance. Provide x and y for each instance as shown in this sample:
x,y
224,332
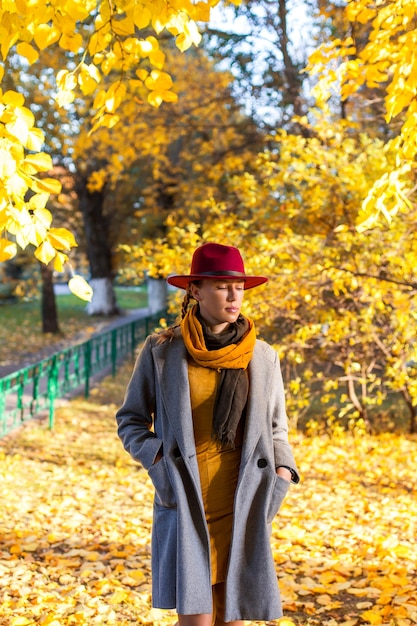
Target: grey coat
x,y
156,416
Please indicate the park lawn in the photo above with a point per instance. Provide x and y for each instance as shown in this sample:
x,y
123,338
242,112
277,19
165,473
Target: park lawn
x,y
21,328
76,516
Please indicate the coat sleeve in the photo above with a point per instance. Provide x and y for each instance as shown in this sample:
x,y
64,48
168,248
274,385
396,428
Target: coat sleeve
x,y
282,449
136,415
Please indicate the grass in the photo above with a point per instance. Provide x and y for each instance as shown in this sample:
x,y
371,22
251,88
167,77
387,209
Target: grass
x,y
21,329
127,299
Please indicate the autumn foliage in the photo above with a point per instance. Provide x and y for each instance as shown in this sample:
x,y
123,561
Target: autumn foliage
x,y
100,39
114,55
377,53
341,302
76,514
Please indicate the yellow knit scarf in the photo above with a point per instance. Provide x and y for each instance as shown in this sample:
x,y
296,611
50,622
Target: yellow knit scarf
x,y
232,356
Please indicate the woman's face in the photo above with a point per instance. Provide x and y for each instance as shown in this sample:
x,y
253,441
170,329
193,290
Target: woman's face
x,y
220,301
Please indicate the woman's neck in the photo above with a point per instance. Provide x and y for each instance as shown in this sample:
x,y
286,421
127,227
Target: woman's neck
x,y
218,329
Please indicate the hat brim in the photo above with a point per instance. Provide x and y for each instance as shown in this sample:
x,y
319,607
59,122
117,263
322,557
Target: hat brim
x,y
182,281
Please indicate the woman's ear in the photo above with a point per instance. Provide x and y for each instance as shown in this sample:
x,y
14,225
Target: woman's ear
x,y
194,292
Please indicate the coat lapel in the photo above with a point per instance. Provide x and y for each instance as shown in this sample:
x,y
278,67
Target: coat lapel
x,y
255,407
175,390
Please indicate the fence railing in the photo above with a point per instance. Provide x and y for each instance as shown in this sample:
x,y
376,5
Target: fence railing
x,y
26,393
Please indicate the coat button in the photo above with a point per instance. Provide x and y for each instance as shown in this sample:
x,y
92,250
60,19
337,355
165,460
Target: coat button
x,y
262,463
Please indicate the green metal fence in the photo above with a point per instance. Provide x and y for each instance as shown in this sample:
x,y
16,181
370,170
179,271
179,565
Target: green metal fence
x,y
26,393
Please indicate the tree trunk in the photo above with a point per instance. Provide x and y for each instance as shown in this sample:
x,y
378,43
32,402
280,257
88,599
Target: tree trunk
x,y
103,301
157,295
99,252
49,312
359,406
412,410
292,74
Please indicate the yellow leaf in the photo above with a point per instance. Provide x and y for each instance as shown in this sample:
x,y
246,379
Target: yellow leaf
x,y
188,37
158,81
59,261
27,51
66,80
41,162
157,58
114,97
44,216
45,35
7,164
141,16
64,97
34,232
169,96
50,185
45,252
13,98
25,115
35,139
38,201
8,250
373,617
19,129
61,238
79,11
155,98
7,41
98,42
71,41
137,574
80,288
201,11
123,27
87,84
93,72
142,74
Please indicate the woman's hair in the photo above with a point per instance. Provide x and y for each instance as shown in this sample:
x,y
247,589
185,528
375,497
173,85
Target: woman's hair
x,y
186,303
168,334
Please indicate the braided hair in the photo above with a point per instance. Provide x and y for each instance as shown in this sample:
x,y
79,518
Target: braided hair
x,y
168,334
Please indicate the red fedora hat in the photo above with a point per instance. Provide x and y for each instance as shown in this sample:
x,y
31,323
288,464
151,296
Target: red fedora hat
x,y
213,260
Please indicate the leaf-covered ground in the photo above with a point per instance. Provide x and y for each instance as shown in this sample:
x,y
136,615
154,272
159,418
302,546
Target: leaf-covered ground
x,y
75,521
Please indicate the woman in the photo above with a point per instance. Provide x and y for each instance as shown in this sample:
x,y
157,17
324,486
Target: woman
x,y
204,413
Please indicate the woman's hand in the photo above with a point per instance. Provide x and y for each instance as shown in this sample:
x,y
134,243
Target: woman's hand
x,y
284,473
157,458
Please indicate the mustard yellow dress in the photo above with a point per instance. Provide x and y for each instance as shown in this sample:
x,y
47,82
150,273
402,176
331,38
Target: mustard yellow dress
x,y
219,468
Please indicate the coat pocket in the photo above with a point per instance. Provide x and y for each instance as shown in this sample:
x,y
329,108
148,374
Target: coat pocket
x,y
164,493
279,492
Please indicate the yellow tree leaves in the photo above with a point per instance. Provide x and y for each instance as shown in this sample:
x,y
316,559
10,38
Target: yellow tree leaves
x,y
159,84
341,303
388,60
349,296
103,39
21,161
